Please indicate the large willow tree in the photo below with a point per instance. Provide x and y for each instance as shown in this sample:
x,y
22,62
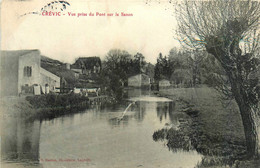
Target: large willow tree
x,y
228,29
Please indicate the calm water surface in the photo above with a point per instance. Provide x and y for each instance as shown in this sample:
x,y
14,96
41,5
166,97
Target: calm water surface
x,y
96,138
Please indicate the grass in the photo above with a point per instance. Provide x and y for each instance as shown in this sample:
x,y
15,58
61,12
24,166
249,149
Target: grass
x,y
220,118
216,131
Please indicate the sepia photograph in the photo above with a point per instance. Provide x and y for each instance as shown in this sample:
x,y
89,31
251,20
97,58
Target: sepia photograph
x,y
130,84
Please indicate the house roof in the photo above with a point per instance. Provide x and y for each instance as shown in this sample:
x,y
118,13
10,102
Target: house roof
x,y
86,62
56,67
144,76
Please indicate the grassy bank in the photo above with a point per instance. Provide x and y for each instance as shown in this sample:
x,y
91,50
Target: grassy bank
x,y
216,129
45,106
53,105
220,119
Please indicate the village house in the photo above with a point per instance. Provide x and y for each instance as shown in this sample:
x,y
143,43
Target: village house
x,y
87,65
164,83
21,72
139,80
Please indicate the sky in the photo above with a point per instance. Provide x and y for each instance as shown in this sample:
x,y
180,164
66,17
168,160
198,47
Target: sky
x,y
149,31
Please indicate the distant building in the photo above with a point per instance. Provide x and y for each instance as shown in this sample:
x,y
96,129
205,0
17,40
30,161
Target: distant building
x,y
139,80
87,65
21,70
67,66
164,83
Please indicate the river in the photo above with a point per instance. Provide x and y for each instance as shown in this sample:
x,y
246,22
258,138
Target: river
x,y
97,138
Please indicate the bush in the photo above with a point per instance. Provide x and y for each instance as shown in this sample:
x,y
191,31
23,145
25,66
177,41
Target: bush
x,y
54,100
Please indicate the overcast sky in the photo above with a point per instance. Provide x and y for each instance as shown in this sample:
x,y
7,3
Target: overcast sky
x,y
149,31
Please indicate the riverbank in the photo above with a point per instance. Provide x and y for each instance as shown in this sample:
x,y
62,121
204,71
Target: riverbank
x,y
216,129
47,106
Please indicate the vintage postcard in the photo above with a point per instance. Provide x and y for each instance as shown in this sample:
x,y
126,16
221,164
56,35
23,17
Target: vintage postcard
x,y
129,83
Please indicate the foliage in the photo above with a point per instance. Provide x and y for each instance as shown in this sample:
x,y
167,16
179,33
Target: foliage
x,y
118,66
149,70
163,68
54,100
118,62
137,65
188,67
229,31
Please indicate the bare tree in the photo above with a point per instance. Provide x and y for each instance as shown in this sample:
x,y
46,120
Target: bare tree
x,y
228,29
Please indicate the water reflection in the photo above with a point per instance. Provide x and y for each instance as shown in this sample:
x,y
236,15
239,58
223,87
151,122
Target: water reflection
x,y
135,92
140,111
164,111
20,140
97,137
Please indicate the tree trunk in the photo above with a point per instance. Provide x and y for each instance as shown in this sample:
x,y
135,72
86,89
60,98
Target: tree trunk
x,y
250,129
248,117
229,55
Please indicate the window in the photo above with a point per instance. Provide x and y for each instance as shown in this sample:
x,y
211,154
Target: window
x,y
27,71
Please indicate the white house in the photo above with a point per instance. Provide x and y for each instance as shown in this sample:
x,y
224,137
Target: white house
x,y
164,83
21,71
